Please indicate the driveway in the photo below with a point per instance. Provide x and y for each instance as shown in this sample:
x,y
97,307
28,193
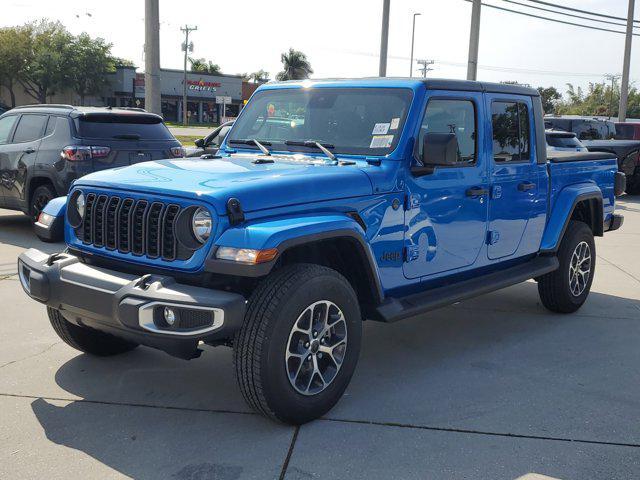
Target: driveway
x,y
490,388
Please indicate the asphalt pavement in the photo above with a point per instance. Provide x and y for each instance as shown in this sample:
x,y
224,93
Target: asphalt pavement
x,y
491,388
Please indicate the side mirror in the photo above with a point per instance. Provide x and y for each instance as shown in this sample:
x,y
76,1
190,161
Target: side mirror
x,y
438,150
199,143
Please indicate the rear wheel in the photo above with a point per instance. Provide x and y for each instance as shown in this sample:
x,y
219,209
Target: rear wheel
x,y
39,199
633,184
85,339
567,288
299,345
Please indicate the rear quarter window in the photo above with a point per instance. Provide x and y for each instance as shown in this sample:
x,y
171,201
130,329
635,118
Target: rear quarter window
x,y
122,127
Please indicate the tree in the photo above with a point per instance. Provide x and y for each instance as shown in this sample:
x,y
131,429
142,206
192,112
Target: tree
x,y
49,60
296,66
14,55
201,65
259,76
550,97
91,59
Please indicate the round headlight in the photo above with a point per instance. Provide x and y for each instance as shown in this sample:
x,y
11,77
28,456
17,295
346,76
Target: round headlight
x,y
201,224
80,203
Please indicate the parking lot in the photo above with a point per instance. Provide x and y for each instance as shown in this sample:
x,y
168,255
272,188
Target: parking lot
x,y
491,388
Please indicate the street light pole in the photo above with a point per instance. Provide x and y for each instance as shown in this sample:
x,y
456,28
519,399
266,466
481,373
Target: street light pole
x,y
384,37
474,38
152,56
624,86
186,47
413,35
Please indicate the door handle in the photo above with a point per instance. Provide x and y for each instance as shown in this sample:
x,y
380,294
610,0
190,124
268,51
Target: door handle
x,y
30,150
476,192
525,186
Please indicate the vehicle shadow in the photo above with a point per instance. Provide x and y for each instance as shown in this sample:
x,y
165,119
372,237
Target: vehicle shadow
x,y
16,229
459,366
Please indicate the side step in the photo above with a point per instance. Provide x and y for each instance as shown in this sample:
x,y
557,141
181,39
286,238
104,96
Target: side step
x,y
394,309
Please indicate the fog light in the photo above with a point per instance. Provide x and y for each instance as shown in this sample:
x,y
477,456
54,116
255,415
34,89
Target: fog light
x,y
170,316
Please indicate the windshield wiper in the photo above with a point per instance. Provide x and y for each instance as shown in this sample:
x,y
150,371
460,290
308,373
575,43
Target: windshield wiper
x,y
253,141
312,143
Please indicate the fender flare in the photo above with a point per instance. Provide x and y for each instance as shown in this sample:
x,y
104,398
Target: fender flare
x,y
286,233
56,207
563,209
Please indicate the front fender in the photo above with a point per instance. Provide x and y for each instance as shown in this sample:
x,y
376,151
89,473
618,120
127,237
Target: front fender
x,y
285,233
56,207
563,207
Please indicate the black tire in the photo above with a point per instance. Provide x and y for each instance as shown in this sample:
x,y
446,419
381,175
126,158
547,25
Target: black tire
x,y
39,199
261,343
87,340
555,288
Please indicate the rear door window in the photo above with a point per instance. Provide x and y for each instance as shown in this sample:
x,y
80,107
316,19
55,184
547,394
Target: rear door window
x,y
6,125
511,135
122,127
30,128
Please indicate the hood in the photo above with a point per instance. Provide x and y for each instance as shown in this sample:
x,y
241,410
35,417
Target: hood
x,y
291,179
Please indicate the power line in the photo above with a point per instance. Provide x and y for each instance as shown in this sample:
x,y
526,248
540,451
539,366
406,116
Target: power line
x,y
567,14
580,11
553,19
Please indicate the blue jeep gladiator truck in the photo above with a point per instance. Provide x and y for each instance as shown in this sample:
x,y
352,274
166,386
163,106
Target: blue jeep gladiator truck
x,y
331,202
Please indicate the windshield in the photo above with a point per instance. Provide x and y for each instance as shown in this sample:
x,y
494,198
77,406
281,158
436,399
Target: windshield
x,y
358,121
563,141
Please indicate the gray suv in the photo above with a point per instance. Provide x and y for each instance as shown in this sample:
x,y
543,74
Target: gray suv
x,y
44,148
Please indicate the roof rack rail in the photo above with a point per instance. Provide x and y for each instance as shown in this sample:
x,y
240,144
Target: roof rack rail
x,y
47,105
134,109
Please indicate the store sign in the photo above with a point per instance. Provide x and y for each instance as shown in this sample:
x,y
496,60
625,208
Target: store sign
x,y
202,86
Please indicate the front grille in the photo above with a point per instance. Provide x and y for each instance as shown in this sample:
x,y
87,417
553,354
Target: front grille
x,y
139,227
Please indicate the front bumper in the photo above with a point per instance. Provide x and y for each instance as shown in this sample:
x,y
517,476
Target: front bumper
x,y
127,305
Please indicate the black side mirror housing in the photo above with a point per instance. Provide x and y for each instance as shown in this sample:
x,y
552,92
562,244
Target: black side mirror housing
x,y
438,150
199,143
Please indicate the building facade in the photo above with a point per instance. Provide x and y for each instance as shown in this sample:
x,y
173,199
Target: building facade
x,y
210,98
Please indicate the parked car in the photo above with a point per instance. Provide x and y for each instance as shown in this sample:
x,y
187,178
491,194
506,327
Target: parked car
x,y
560,141
210,144
392,198
44,148
599,136
627,131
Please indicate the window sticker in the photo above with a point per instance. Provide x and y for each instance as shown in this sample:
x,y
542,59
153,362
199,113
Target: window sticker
x,y
395,123
381,141
380,129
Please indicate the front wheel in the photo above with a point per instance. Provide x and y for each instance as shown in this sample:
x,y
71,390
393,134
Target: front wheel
x,y
299,345
566,289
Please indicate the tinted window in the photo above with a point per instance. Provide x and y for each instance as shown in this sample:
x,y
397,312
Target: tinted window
x,y
365,121
6,124
51,126
29,128
124,127
511,137
624,132
451,116
566,141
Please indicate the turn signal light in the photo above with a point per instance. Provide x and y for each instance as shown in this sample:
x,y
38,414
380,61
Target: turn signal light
x,y
246,255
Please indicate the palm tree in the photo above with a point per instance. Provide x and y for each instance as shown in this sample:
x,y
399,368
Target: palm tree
x,y
259,76
296,66
201,65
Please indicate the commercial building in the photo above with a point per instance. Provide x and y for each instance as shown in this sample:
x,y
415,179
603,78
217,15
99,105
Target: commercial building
x,y
210,98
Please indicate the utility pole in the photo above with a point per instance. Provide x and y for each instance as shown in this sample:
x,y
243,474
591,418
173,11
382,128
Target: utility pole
x,y
474,38
186,47
425,67
413,36
152,56
613,79
624,86
384,37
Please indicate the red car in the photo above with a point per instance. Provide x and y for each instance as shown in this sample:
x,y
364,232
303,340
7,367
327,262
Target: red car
x,y
627,131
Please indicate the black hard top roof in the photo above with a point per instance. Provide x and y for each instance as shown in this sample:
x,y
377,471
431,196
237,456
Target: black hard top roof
x,y
474,86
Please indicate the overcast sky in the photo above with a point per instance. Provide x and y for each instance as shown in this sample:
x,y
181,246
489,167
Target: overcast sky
x,y
342,37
